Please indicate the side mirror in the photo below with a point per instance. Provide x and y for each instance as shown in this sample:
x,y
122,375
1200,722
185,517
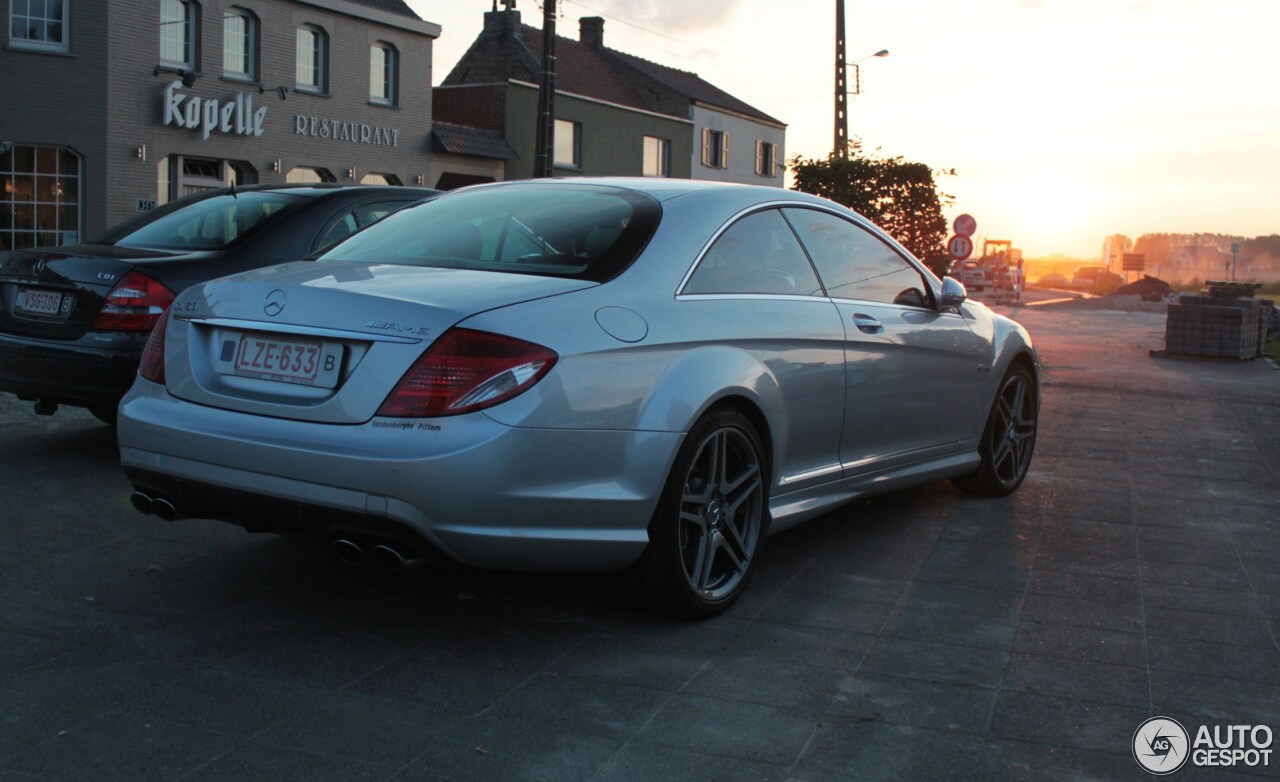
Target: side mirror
x,y
953,293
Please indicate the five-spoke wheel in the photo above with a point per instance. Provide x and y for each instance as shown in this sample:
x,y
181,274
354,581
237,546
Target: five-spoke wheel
x,y
705,536
1009,438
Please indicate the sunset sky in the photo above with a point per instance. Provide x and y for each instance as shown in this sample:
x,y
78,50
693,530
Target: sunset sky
x,y
1065,120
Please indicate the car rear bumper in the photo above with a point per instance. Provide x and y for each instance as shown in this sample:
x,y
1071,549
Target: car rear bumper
x,y
484,493
78,373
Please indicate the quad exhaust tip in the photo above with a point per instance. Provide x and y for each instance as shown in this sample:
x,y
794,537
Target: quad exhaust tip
x,y
155,506
348,551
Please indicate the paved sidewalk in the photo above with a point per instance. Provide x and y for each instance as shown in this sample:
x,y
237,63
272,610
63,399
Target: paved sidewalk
x,y
923,635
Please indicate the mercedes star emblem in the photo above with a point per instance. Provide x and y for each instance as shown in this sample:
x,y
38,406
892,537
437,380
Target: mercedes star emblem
x,y
275,303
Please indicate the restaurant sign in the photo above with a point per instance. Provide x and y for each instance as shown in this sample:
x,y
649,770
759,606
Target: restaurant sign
x,y
351,132
208,115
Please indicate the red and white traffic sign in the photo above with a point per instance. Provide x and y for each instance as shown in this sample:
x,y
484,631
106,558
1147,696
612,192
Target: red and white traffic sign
x,y
965,225
960,247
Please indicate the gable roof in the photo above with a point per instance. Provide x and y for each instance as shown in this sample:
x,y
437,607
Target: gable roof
x,y
691,85
507,49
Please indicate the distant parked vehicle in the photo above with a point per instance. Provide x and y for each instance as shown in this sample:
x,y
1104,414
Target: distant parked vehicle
x,y
74,319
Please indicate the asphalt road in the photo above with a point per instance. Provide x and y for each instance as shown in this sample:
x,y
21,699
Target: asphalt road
x,y
922,635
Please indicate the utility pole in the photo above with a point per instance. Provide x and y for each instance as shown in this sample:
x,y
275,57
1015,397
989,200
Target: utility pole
x,y
546,140
842,90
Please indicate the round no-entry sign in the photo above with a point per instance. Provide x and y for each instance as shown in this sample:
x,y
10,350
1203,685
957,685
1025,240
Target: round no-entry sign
x,y
965,225
960,247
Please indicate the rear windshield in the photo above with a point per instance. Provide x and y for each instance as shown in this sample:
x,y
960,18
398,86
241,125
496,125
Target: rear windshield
x,y
208,223
583,232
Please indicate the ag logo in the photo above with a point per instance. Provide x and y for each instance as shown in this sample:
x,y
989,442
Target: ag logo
x,y
1161,745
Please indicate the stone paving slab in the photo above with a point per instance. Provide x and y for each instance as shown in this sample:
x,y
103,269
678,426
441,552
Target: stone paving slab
x,y
922,635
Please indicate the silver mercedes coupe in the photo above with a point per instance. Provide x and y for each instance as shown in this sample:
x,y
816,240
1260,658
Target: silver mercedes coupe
x,y
592,374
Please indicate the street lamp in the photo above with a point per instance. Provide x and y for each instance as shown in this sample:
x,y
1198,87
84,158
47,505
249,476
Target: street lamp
x,y
857,70
842,90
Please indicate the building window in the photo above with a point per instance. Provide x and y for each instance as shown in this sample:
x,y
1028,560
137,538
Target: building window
x,y
382,74
38,24
715,148
303,175
374,178
312,59
766,159
568,144
39,197
240,44
657,156
177,33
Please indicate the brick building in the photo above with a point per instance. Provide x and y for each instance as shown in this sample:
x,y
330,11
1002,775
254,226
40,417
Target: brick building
x,y
113,106
616,114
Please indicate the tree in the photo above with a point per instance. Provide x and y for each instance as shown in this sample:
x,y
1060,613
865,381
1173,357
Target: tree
x,y
898,195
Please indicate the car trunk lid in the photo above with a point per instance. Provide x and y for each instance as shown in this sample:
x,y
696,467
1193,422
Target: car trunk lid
x,y
327,341
56,293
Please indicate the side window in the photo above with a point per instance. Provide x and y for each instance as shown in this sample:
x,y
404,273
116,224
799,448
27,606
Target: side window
x,y
340,230
856,264
757,254
368,214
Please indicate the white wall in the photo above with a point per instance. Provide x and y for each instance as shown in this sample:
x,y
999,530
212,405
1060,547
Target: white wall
x,y
743,134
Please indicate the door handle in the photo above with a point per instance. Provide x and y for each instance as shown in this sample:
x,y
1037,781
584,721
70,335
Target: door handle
x,y
867,324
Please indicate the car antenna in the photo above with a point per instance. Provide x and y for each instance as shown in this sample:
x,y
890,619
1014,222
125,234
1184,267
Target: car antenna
x,y
233,188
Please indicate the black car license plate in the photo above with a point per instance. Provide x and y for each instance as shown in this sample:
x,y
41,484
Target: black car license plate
x,y
50,304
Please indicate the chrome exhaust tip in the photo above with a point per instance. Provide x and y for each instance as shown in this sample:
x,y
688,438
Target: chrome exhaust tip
x,y
142,503
347,551
164,509
391,559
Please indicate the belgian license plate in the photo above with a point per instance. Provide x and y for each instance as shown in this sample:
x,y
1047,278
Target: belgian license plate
x,y
32,301
303,362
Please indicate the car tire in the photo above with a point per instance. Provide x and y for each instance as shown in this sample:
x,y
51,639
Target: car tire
x,y
106,415
706,533
1009,439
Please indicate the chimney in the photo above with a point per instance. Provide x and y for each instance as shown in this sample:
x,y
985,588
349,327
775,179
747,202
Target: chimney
x,y
591,31
502,24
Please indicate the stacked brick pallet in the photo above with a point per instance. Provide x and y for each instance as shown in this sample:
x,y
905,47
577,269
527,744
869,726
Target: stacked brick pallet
x,y
1224,324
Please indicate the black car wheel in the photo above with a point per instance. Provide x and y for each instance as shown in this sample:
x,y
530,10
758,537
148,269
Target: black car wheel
x,y
705,537
1009,438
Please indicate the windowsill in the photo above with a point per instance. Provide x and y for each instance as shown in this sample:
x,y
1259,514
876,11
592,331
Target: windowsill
x,y
18,46
566,166
382,105
310,91
247,81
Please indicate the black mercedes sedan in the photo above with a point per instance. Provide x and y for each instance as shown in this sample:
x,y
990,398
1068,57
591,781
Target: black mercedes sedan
x,y
74,319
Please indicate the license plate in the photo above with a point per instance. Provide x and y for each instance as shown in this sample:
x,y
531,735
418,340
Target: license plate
x,y
32,301
303,362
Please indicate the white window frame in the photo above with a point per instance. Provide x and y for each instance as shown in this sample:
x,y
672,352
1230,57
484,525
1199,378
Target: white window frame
x,y
664,157
321,64
390,74
41,44
191,36
575,130
250,72
709,160
766,152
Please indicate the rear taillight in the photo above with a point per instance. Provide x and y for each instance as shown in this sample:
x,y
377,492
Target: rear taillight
x,y
152,365
134,304
465,371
